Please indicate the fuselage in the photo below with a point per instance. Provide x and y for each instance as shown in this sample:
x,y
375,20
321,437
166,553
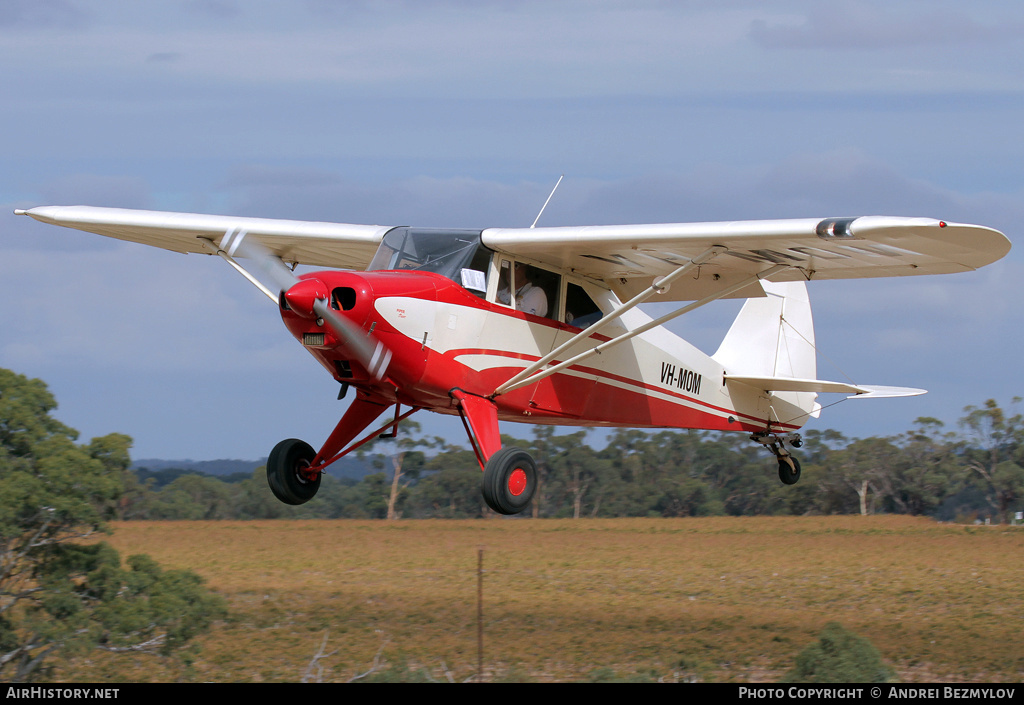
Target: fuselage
x,y
442,336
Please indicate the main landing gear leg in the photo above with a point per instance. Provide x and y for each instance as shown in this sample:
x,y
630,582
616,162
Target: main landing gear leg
x,y
510,474
294,468
789,466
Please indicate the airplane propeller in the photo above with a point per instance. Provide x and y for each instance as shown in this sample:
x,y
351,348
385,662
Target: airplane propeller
x,y
310,297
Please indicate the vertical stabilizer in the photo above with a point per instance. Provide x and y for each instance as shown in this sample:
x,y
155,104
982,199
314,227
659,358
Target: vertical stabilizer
x,y
774,337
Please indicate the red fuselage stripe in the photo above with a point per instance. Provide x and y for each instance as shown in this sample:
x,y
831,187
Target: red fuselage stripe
x,y
452,354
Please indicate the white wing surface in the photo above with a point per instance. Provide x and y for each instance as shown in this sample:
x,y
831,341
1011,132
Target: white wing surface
x,y
319,244
629,257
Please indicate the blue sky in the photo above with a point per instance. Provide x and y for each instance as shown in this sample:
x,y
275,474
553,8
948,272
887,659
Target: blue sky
x,y
464,114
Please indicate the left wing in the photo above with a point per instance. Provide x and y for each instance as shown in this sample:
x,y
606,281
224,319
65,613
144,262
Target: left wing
x,y
319,244
629,258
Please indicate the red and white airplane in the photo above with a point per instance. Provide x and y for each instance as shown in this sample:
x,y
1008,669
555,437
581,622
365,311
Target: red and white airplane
x,y
541,325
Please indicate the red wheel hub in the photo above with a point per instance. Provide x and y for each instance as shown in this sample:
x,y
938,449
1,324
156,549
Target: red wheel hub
x,y
517,482
304,471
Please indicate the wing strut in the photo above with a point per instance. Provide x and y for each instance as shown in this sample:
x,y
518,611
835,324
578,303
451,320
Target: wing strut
x,y
239,268
657,287
533,373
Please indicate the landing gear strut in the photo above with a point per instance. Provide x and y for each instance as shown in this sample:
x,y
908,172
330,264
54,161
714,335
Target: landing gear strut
x,y
510,479
510,474
789,466
288,472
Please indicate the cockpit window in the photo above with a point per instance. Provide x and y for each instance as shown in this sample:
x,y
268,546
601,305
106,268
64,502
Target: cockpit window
x,y
536,289
456,254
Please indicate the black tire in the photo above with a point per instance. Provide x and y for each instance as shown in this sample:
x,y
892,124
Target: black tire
x,y
789,474
284,472
510,479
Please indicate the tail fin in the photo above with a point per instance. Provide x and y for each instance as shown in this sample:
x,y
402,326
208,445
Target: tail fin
x,y
774,337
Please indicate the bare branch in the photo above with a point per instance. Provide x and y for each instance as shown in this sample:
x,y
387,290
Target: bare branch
x,y
315,664
148,646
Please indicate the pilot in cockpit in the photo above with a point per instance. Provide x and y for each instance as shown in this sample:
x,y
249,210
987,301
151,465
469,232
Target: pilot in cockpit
x,y
530,298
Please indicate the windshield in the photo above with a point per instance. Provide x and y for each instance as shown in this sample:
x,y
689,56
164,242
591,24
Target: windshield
x,y
455,254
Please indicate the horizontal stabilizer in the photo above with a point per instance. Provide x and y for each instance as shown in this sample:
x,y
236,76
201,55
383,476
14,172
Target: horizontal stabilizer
x,y
792,384
877,392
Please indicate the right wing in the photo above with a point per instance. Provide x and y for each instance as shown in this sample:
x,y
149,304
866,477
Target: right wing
x,y
630,258
338,245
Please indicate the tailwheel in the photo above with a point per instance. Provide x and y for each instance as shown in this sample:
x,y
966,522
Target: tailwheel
x,y
789,469
789,466
288,472
510,479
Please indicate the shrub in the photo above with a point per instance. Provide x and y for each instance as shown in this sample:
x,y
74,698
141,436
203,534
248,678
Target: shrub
x,y
839,656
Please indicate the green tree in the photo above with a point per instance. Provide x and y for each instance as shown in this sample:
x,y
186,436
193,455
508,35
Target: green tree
x,y
450,486
405,461
636,479
929,473
195,496
254,500
866,467
997,454
580,472
58,594
375,501
542,450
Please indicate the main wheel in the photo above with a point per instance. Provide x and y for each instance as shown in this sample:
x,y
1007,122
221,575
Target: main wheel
x,y
287,472
789,469
510,479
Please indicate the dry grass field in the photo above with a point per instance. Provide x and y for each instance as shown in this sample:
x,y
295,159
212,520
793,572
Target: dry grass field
x,y
716,599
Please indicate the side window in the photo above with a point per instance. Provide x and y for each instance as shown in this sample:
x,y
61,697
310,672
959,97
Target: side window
x,y
580,309
547,282
530,289
539,292
504,295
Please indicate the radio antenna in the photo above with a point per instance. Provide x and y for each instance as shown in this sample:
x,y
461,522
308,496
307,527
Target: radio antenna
x,y
546,202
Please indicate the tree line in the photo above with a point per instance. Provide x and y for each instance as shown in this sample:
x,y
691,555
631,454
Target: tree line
x,y
972,473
